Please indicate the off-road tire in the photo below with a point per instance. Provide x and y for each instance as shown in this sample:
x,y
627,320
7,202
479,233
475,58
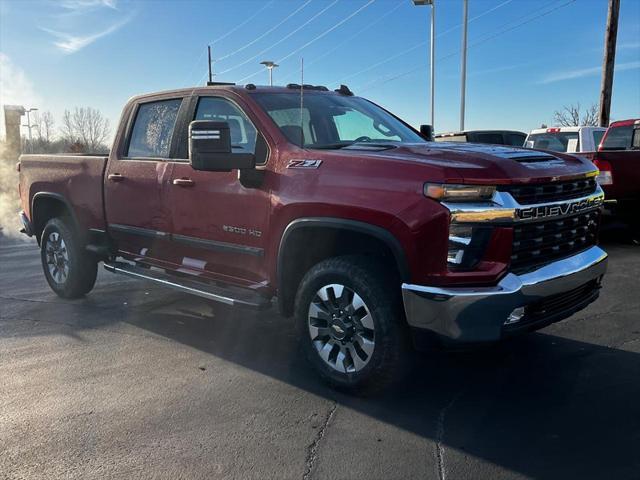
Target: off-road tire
x,y
82,266
380,292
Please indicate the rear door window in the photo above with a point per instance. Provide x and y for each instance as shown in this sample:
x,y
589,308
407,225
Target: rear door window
x,y
152,130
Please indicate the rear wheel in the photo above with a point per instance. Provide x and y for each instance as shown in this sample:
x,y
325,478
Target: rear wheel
x,y
69,269
350,323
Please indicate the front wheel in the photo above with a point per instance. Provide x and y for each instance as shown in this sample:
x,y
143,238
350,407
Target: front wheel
x,y
350,323
69,269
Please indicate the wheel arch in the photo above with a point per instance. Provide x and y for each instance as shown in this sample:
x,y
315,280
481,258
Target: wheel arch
x,y
330,237
47,205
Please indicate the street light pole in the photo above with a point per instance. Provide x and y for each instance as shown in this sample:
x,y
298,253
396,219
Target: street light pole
x,y
465,11
270,66
432,58
29,126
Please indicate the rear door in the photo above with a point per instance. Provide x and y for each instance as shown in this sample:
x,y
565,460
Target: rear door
x,y
138,173
219,226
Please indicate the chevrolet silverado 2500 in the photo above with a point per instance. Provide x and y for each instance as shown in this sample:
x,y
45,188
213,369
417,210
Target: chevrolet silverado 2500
x,y
367,234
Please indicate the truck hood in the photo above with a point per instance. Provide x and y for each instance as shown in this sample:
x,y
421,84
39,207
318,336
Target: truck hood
x,y
479,163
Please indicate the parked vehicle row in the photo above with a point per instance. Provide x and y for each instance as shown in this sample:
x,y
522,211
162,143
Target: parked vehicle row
x,y
366,233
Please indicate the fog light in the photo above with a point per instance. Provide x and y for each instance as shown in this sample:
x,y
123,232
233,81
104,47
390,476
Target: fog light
x,y
459,238
515,316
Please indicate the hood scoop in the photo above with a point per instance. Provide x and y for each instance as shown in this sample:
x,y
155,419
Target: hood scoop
x,y
531,157
370,146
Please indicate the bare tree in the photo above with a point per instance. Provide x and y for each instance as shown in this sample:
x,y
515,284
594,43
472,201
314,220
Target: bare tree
x,y
45,129
85,126
43,126
572,116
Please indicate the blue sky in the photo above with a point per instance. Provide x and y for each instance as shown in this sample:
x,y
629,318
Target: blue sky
x,y
526,59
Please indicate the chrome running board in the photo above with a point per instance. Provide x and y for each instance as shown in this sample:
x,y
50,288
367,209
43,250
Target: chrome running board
x,y
234,296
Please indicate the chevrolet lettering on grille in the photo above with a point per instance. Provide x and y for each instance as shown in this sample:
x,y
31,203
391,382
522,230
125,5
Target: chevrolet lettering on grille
x,y
559,210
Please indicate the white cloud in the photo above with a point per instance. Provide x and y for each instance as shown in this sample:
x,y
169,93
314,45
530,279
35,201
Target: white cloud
x,y
71,43
15,87
85,4
628,46
586,72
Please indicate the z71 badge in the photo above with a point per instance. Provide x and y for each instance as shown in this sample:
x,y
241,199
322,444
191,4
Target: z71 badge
x,y
304,163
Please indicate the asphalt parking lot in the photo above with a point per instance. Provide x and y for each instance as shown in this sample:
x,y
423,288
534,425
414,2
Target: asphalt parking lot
x,y
135,381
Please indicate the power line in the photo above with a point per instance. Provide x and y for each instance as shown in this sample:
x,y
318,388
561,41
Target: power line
x,y
380,81
224,57
281,40
355,35
233,30
421,44
239,26
326,32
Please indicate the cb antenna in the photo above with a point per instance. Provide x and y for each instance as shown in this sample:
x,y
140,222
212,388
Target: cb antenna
x,y
210,70
301,101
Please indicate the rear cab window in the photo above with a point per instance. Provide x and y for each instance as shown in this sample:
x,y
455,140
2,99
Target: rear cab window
x,y
618,138
554,141
597,137
153,128
514,139
490,138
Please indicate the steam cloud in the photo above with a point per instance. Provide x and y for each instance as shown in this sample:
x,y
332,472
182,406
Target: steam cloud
x,y
9,200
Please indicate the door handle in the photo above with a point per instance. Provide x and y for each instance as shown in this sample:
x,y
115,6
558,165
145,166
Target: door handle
x,y
184,182
115,177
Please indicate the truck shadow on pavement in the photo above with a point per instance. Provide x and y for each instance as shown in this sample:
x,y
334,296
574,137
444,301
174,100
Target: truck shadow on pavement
x,y
542,405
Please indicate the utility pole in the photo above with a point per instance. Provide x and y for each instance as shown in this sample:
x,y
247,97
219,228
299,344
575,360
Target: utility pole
x,y
432,57
29,126
210,71
463,86
610,37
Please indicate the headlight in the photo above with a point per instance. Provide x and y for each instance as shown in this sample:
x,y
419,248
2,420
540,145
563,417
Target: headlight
x,y
466,245
458,193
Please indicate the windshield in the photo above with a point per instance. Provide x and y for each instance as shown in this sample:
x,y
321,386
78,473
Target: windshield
x,y
557,142
333,121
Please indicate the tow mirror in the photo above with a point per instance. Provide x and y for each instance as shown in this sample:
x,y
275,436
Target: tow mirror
x,y
426,131
210,148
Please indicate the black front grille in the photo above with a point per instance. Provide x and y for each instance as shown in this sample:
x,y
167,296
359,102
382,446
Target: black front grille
x,y
535,244
550,192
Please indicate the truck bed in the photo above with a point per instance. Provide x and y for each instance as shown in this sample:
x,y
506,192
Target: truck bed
x,y
74,179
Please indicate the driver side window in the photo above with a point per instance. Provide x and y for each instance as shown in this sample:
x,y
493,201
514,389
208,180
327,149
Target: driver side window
x,y
353,125
243,133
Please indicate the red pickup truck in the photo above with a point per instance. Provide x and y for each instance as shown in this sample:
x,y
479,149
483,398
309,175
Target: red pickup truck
x,y
367,234
618,159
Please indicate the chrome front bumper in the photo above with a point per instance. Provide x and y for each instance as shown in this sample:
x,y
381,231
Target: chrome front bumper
x,y
478,314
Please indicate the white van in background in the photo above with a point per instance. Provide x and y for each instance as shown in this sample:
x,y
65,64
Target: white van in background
x,y
566,139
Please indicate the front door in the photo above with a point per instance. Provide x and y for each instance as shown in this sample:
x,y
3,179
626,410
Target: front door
x,y
137,179
219,226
